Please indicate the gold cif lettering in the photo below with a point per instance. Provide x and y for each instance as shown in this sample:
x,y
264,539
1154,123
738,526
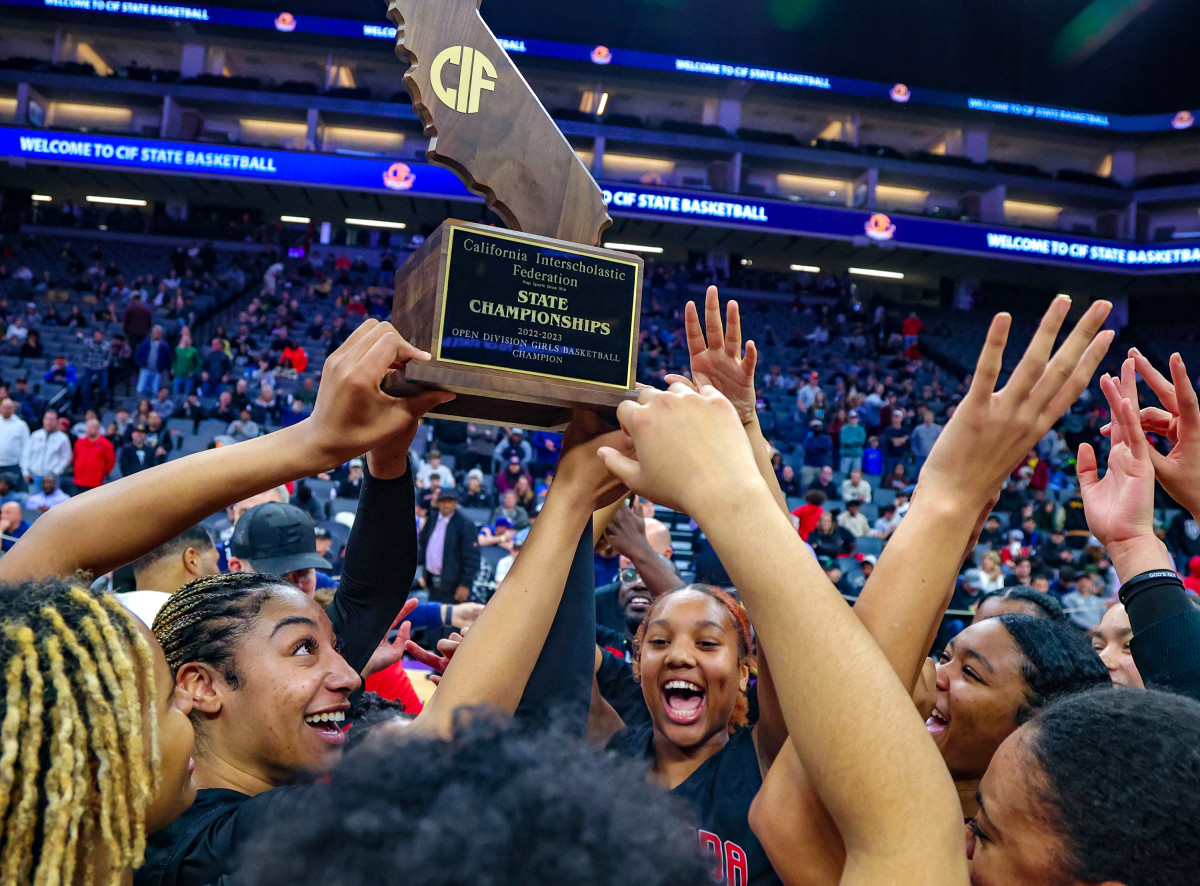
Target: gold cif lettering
x,y
475,74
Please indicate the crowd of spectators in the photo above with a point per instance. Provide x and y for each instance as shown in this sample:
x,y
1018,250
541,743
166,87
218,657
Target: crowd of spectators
x,y
850,395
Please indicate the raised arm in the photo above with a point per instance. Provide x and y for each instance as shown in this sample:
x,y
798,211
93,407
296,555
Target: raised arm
x,y
626,533
1179,421
381,553
903,602
718,359
498,655
883,782
118,522
907,594
1120,512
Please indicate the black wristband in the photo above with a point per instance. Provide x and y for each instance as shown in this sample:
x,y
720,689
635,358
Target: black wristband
x,y
1146,580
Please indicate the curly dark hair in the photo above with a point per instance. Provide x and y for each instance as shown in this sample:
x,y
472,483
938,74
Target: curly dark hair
x,y
1057,660
1120,776
372,710
498,803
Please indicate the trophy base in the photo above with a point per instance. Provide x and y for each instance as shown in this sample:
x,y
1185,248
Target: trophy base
x,y
460,297
492,398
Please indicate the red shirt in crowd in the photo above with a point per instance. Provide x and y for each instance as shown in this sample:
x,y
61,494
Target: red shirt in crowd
x,y
912,326
296,356
93,460
810,516
393,683
1191,581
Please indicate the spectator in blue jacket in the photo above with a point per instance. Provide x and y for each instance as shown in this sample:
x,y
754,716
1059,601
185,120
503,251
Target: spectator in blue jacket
x,y
153,357
818,446
215,369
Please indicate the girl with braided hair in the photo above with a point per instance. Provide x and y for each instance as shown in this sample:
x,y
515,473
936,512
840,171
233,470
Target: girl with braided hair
x,y
95,743
271,691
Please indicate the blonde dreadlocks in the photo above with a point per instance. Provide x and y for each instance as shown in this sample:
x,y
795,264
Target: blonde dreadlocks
x,y
74,767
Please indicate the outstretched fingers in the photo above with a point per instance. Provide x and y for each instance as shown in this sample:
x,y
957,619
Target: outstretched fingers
x,y
733,329
1163,389
712,318
695,335
1111,390
1041,347
1188,406
1071,368
991,356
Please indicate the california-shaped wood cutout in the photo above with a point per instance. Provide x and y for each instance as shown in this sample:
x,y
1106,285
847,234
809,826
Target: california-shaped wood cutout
x,y
489,127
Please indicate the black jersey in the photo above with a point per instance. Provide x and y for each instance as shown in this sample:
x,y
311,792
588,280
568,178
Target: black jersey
x,y
200,848
720,793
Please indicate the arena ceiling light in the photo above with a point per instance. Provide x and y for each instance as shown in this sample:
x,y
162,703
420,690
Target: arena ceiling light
x,y
115,201
807,269
296,219
40,198
634,247
376,223
872,272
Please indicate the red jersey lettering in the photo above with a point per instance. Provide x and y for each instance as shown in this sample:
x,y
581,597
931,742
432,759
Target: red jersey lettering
x,y
730,865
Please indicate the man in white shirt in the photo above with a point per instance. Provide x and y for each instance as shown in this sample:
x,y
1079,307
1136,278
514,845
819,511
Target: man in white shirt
x,y
14,433
47,451
855,488
807,394
434,466
853,520
17,330
49,495
887,522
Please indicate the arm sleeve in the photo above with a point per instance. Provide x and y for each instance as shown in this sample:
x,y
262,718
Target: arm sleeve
x,y
469,557
561,682
1166,632
381,559
619,689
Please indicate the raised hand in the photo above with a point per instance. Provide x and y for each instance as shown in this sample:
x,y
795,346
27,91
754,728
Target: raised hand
x,y
991,430
1120,507
581,475
440,660
352,414
691,451
626,531
720,361
388,652
1179,421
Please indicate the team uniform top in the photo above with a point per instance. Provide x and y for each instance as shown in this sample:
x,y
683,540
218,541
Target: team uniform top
x,y
720,793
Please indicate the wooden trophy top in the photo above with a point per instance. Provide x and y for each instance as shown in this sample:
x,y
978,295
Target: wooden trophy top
x,y
487,125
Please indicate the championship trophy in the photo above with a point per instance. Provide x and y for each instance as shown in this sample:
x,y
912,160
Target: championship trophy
x,y
528,321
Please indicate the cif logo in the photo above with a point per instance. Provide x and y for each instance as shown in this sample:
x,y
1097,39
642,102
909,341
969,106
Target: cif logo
x,y
285,22
475,74
602,55
880,227
398,177
900,93
1183,120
